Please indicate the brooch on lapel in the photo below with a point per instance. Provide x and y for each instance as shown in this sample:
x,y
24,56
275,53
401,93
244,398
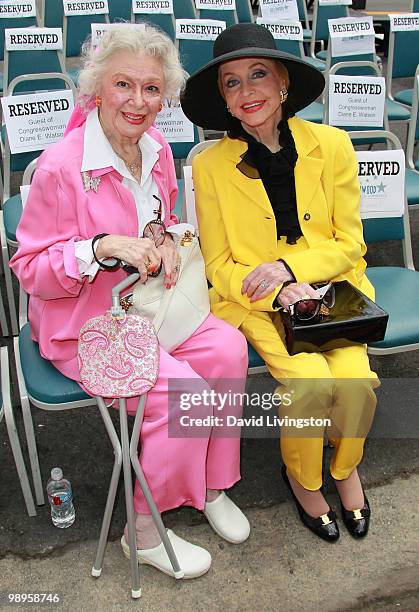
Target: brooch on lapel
x,y
89,182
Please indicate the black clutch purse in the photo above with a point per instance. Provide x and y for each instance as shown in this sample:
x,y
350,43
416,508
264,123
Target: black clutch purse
x,y
353,319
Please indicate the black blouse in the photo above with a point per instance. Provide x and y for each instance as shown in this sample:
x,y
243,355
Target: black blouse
x,y
276,171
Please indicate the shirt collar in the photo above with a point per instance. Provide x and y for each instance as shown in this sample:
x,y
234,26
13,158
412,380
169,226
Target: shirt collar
x,y
98,152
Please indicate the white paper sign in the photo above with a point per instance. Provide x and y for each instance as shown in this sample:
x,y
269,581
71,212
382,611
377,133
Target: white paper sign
x,y
401,22
329,2
85,7
219,5
199,29
381,175
152,6
351,26
356,100
355,45
35,121
22,39
16,9
279,9
290,30
190,198
98,29
173,123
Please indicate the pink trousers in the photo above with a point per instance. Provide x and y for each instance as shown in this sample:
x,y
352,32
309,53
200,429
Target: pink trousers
x,y
180,469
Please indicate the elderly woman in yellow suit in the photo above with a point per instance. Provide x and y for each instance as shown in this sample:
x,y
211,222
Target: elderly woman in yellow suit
x,y
278,209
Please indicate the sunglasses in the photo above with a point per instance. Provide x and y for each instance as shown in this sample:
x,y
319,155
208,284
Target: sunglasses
x,y
316,306
155,231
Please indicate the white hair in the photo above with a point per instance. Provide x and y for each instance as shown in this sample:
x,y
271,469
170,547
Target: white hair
x,y
148,40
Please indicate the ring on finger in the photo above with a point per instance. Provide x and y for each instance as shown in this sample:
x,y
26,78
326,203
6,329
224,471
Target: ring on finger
x,y
177,268
263,284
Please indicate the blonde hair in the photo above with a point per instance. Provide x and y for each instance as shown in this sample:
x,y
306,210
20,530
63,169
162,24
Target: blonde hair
x,y
148,40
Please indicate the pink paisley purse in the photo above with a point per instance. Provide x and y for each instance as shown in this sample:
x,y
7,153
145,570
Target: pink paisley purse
x,y
118,355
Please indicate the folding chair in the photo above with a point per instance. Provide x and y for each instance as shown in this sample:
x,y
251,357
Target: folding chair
x,y
194,53
402,62
256,363
163,21
5,23
12,206
393,110
412,170
319,26
184,9
3,321
244,11
396,288
303,17
76,28
230,17
296,47
6,410
53,13
119,10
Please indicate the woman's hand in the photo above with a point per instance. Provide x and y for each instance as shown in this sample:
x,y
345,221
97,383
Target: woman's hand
x,y
294,292
262,280
138,252
170,260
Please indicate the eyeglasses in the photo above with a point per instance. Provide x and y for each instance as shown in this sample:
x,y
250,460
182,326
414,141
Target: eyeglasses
x,y
316,306
155,231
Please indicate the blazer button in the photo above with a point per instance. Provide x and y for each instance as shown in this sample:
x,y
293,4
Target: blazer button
x,y
307,217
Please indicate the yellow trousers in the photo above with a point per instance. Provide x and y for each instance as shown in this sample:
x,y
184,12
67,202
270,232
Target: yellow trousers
x,y
337,385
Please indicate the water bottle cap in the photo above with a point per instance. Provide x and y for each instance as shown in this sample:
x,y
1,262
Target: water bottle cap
x,y
56,473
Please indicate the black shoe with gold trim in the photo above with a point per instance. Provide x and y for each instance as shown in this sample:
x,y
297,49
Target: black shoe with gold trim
x,y
357,522
324,526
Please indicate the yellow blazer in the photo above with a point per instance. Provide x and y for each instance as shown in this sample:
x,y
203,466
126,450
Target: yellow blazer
x,y
237,224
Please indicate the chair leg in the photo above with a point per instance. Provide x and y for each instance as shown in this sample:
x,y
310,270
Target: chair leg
x,y
146,489
103,538
13,435
8,281
30,435
3,320
129,500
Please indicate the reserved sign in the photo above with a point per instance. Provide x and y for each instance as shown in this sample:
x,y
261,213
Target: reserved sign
x,y
279,9
35,121
381,175
290,30
98,29
225,5
352,36
351,26
328,2
199,29
398,23
22,39
15,9
356,101
152,6
173,123
89,7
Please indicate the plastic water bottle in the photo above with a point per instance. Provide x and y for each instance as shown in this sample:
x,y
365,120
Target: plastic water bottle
x,y
60,497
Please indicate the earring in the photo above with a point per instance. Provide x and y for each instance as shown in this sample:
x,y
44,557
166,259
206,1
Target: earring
x,y
228,110
98,101
161,106
283,95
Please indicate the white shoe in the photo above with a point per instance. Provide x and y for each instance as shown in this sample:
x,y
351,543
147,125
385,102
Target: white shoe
x,y
193,560
227,519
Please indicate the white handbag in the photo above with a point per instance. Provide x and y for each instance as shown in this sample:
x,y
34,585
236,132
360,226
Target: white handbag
x,y
179,311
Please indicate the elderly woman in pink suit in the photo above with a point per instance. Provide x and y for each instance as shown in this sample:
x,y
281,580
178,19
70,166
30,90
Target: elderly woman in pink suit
x,y
91,197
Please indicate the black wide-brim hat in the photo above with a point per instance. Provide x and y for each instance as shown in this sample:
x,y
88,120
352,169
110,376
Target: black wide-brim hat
x,y
201,99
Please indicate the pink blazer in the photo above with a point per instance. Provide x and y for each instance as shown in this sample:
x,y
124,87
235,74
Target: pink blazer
x,y
59,212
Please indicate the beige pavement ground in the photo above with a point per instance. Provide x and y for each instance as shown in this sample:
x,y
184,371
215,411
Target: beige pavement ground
x,y
281,567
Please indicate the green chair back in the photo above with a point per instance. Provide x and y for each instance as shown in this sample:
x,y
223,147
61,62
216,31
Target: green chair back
x,y
184,9
194,53
163,21
31,62
76,29
119,10
53,13
244,11
293,47
5,23
230,17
